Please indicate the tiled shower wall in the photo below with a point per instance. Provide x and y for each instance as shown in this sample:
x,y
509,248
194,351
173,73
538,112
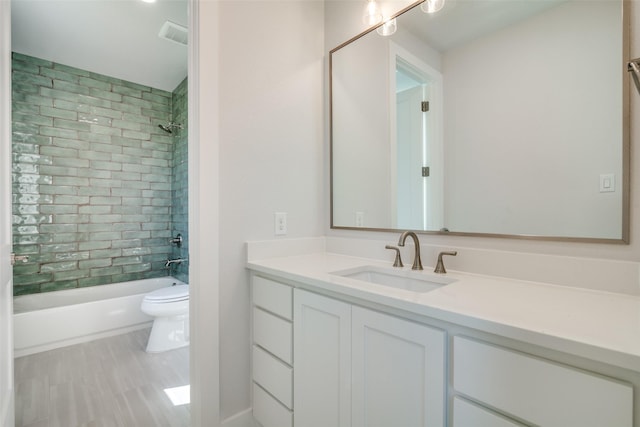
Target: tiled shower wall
x,y
179,199
92,178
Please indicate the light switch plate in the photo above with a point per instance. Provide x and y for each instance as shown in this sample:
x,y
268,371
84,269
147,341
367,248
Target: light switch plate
x,y
607,182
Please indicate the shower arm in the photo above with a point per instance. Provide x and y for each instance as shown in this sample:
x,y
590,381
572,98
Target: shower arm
x,y
633,66
171,125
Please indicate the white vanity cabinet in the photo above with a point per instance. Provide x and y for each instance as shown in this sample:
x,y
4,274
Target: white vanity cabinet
x,y
358,367
533,390
320,361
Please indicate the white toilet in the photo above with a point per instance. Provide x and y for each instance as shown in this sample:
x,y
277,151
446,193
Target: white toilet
x,y
170,307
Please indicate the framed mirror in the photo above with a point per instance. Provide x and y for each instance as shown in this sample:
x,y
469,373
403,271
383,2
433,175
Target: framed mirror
x,y
486,118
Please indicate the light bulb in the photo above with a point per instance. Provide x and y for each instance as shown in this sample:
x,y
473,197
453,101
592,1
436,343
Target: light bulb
x,y
372,14
388,28
432,6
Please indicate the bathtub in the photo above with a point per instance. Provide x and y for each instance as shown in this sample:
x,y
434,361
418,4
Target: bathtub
x,y
56,319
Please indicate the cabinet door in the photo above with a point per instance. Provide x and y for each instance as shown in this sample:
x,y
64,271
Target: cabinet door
x,y
322,358
398,372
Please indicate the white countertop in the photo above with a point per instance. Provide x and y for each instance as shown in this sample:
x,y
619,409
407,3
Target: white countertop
x,y
597,325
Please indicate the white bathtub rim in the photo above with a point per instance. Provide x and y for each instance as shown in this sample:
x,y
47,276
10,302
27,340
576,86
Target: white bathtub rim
x,y
24,303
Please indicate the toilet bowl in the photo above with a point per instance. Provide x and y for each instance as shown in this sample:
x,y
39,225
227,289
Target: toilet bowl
x,y
170,308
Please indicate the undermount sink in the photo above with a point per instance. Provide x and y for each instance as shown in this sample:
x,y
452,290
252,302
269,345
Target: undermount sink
x,y
410,280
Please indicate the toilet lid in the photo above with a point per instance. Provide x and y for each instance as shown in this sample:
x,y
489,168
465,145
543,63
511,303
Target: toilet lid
x,y
168,294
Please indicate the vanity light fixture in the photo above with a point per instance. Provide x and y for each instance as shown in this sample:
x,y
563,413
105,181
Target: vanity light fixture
x,y
432,6
388,28
149,1
372,13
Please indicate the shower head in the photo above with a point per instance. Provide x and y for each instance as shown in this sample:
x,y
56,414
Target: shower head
x,y
167,128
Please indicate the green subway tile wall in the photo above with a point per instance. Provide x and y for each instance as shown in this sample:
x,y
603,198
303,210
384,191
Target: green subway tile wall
x,y
92,177
179,196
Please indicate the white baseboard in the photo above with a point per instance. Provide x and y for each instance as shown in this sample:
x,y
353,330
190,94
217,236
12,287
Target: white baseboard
x,y
7,414
241,419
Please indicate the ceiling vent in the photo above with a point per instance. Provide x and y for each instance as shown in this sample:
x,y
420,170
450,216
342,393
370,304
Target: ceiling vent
x,y
174,32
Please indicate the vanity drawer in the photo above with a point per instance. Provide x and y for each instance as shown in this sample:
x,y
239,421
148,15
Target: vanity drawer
x,y
273,296
538,391
273,334
467,414
273,375
268,411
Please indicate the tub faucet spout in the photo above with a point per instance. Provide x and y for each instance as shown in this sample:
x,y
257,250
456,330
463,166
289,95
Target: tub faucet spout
x,y
174,261
417,262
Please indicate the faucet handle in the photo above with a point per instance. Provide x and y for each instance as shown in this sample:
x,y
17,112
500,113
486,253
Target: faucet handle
x,y
398,261
440,264
176,240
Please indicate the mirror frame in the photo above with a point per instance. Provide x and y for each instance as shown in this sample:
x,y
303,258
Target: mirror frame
x,y
626,150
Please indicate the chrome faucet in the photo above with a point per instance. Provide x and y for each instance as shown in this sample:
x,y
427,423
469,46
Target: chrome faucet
x,y
417,263
174,261
440,265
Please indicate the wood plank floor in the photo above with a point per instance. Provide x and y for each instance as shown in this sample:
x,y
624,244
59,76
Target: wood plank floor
x,y
111,382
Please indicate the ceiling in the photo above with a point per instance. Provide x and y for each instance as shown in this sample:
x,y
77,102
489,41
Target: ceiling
x,y
117,38
461,21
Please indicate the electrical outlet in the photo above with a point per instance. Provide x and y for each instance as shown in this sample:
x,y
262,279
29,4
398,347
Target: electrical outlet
x,y
280,223
359,219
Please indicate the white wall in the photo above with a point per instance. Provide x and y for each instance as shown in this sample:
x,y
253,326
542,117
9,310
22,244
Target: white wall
x,y
499,122
343,21
271,153
361,120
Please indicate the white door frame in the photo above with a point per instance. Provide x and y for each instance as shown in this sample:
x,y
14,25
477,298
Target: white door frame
x,y
435,184
203,147
7,393
203,216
